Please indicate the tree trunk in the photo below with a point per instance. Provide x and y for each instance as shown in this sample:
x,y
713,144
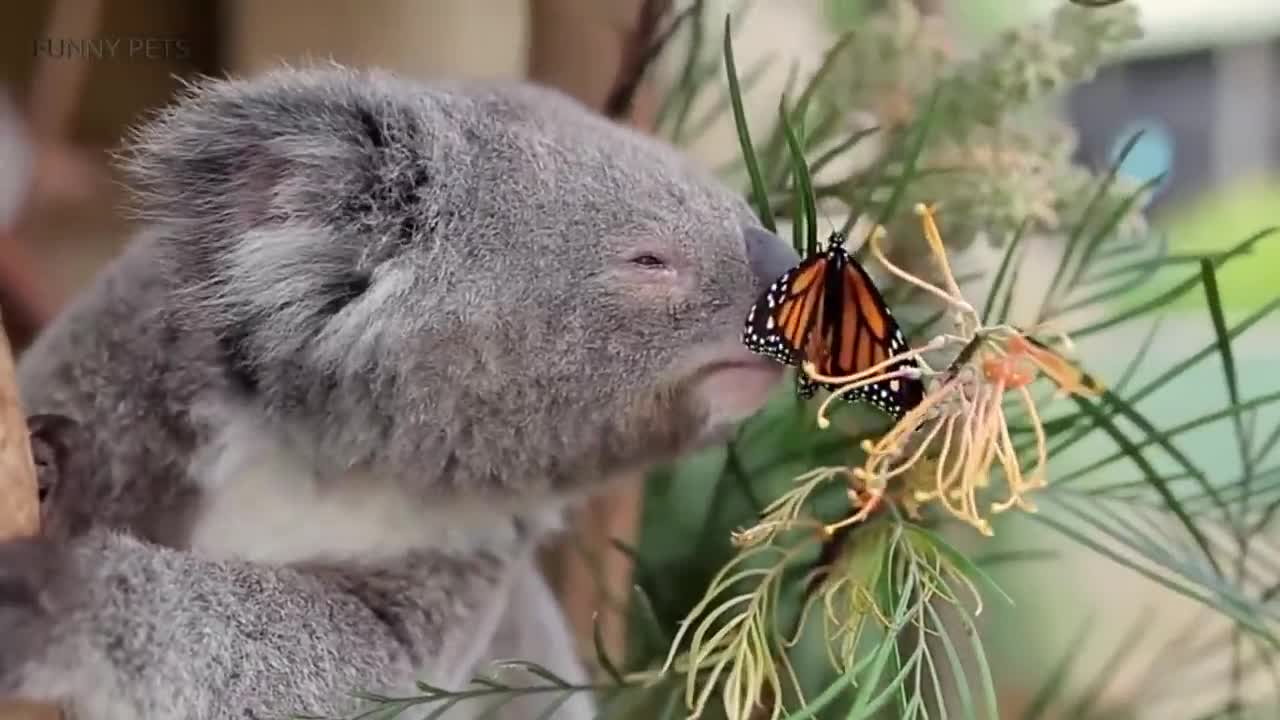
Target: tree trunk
x,y
19,496
580,46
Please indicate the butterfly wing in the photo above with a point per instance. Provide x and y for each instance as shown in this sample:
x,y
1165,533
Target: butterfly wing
x,y
827,310
780,321
805,387
856,331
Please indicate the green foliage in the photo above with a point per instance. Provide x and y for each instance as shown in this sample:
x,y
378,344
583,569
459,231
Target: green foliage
x,y
1209,224
889,119
996,161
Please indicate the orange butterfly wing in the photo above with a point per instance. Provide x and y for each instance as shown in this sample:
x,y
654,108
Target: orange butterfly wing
x,y
828,311
780,321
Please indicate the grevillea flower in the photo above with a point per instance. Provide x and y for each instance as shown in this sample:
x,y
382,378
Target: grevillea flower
x,y
944,449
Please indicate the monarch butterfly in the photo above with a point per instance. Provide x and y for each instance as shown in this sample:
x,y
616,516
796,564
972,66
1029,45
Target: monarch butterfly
x,y
827,310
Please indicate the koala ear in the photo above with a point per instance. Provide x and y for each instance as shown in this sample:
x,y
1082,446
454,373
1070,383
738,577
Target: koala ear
x,y
313,147
275,198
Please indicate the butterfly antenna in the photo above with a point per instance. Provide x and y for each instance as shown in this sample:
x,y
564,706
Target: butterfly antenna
x,y
830,224
849,222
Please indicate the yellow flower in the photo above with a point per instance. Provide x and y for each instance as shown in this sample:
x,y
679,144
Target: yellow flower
x,y
944,449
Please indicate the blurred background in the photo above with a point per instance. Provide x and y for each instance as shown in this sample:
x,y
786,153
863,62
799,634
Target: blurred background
x,y
1203,82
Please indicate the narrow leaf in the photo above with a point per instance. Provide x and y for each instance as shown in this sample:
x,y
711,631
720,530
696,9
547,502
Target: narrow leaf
x,y
804,183
1066,265
758,191
912,158
1210,279
1173,293
998,284
1108,225
602,655
1135,455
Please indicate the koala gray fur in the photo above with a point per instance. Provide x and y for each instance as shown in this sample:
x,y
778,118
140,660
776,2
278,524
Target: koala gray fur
x,y
374,337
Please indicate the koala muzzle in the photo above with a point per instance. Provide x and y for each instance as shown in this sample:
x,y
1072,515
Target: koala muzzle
x,y
770,256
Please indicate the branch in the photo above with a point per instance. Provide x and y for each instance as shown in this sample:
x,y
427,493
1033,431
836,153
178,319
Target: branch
x,y
642,47
19,496
580,66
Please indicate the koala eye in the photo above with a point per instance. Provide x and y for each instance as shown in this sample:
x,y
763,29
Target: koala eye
x,y
649,261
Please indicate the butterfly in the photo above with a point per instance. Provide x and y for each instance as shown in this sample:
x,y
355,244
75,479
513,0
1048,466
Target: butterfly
x,y
826,310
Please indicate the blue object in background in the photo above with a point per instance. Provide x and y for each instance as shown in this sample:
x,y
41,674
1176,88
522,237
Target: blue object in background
x,y
1206,109
1151,156
1172,98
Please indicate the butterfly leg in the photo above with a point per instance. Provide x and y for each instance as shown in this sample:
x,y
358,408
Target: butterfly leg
x,y
805,387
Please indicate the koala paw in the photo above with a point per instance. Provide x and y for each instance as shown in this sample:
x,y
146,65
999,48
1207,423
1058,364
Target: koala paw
x,y
29,570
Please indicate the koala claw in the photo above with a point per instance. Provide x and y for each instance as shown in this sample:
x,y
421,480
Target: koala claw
x,y
28,572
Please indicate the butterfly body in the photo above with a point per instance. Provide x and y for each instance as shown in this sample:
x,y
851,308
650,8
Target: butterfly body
x,y
827,311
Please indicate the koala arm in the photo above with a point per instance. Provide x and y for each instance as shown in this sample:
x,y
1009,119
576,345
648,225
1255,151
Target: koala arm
x,y
113,627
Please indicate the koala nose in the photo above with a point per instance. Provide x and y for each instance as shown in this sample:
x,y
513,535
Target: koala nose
x,y
769,255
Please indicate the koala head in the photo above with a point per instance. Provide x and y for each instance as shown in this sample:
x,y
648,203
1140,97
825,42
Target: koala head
x,y
474,289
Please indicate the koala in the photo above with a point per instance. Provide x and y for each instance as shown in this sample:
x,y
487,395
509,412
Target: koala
x,y
371,340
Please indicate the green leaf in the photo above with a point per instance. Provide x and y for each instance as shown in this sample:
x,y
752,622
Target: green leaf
x,y
776,145
642,607
998,287
913,157
996,558
879,171
1085,540
1173,293
1066,267
956,664
804,184
984,668
1164,435
1144,267
1220,328
865,700
961,562
1139,357
1129,412
693,73
536,670
841,148
1171,373
602,655
440,710
750,79
1267,445
1135,455
1108,225
758,191
1210,280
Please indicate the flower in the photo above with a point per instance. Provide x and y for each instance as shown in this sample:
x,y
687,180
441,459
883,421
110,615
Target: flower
x,y
944,449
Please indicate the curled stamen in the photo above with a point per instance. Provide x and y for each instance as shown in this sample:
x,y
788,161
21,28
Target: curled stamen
x,y
1042,451
824,422
957,302
934,236
947,447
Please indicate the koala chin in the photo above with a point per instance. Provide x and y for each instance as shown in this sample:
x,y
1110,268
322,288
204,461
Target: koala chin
x,y
371,338
731,387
